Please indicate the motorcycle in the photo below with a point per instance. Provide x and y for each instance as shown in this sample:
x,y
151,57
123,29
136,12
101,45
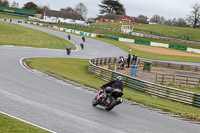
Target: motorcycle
x,y
83,38
82,46
108,98
68,51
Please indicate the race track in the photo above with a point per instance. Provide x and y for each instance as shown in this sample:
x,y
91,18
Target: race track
x,y
64,108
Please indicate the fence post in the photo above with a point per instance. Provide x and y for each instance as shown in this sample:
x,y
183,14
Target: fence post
x,y
101,63
97,61
174,79
157,77
163,79
186,80
105,62
199,82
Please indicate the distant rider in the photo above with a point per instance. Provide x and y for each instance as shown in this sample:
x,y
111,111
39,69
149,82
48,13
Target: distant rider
x,y
69,37
68,48
82,45
83,38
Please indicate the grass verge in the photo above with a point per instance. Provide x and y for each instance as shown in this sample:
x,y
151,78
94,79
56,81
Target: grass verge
x,y
147,55
11,17
76,70
10,125
160,30
194,89
12,34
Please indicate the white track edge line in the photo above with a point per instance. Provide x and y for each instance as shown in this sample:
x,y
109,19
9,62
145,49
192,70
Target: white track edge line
x,y
27,122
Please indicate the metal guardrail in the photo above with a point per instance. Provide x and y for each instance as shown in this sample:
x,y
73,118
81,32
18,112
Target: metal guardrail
x,y
171,65
177,79
153,89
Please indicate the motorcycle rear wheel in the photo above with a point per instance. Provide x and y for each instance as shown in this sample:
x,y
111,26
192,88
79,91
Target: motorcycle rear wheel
x,y
110,103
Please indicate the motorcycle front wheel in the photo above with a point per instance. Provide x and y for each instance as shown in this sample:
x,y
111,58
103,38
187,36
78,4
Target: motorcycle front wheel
x,y
95,101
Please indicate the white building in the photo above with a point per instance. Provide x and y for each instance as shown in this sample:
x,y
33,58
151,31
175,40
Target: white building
x,y
64,17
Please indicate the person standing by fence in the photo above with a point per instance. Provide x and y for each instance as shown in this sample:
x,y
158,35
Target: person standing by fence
x,y
134,59
128,60
122,62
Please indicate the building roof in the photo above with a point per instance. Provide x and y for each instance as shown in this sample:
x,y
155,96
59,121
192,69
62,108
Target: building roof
x,y
110,16
114,16
62,14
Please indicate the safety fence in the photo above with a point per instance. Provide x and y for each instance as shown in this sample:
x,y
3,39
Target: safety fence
x,y
177,79
192,68
140,85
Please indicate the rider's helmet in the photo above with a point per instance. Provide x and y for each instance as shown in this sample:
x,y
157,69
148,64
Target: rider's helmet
x,y
119,78
68,47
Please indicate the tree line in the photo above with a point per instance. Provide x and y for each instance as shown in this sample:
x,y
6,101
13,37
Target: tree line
x,y
31,6
115,7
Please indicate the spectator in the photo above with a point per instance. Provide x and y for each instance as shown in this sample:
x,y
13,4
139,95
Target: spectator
x,y
134,59
180,36
128,60
5,19
10,20
121,61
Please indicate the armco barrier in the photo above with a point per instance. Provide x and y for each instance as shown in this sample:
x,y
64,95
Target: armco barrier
x,y
155,44
126,40
142,86
177,47
192,50
142,42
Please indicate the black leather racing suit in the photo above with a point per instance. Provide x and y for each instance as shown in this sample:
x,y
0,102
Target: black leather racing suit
x,y
117,84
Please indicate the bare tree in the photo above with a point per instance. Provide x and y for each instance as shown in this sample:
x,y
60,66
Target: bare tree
x,y
155,19
168,22
15,4
81,9
180,23
142,17
162,20
194,17
4,3
67,9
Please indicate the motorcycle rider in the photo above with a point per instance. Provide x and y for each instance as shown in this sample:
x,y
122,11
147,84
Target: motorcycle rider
x,y
82,45
116,84
83,38
68,48
69,37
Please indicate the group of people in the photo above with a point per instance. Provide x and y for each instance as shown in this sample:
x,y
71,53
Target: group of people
x,y
129,60
68,48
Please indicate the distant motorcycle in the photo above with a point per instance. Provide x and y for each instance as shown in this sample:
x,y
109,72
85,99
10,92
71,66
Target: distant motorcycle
x,y
83,38
69,37
82,45
108,98
68,51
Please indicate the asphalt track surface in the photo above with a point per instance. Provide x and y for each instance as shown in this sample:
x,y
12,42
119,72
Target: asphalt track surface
x,y
65,108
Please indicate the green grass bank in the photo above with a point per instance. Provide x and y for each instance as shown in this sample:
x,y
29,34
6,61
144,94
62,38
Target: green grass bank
x,y
160,30
10,125
12,34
